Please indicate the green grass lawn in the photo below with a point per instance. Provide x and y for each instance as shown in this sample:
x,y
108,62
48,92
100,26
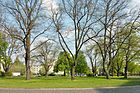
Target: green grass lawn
x,y
65,82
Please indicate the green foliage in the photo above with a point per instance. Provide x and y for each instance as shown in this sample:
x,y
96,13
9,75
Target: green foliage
x,y
4,57
3,45
62,63
81,63
10,73
133,68
3,74
119,63
128,54
33,73
41,72
89,74
3,48
51,74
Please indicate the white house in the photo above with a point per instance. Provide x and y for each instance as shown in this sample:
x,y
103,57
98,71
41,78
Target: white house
x,y
36,68
1,67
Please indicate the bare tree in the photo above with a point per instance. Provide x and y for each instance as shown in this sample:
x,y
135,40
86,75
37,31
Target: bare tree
x,y
26,16
93,54
46,55
114,15
81,16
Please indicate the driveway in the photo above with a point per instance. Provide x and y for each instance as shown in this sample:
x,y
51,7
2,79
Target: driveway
x,y
127,89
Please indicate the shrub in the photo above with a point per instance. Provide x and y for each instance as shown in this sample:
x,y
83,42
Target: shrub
x,y
2,73
22,72
10,74
89,74
33,73
51,74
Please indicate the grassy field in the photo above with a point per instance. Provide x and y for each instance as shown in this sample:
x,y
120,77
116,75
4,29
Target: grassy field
x,y
65,82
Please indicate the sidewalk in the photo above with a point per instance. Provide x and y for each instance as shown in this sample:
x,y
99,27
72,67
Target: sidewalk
x,y
123,89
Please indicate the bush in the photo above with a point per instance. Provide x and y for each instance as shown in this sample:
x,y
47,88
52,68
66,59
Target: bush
x,y
3,74
33,73
90,74
51,74
10,74
22,72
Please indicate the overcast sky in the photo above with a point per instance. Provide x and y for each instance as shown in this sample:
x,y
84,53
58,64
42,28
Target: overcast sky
x,y
135,4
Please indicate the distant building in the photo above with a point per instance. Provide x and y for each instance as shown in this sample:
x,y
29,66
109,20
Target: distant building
x,y
36,68
1,67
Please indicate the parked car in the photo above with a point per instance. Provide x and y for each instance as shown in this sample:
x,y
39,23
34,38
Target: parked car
x,y
38,75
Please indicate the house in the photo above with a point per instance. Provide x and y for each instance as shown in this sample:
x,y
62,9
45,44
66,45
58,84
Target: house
x,y
1,68
36,68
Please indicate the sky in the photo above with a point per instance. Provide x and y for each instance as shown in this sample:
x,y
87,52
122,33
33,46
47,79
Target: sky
x,y
135,3
53,3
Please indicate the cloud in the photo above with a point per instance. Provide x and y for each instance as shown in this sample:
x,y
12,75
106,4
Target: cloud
x,y
135,3
50,5
68,34
42,39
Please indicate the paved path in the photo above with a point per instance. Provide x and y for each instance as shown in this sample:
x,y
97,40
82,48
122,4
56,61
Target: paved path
x,y
128,89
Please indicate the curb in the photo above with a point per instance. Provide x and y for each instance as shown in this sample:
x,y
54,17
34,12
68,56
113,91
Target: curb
x,y
69,88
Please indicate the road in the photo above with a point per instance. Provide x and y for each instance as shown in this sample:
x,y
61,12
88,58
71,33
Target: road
x,y
127,89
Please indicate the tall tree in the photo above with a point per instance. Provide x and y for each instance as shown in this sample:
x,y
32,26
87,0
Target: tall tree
x,y
82,66
80,14
4,60
131,48
112,13
119,63
62,64
93,54
46,55
27,16
9,47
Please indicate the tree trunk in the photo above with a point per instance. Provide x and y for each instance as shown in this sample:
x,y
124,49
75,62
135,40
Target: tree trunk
x,y
6,72
92,67
118,69
73,68
27,62
95,68
107,75
27,58
73,73
64,72
118,72
46,73
80,75
106,70
125,71
112,70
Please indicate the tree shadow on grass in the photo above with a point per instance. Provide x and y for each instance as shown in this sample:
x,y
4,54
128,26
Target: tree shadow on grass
x,y
132,86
